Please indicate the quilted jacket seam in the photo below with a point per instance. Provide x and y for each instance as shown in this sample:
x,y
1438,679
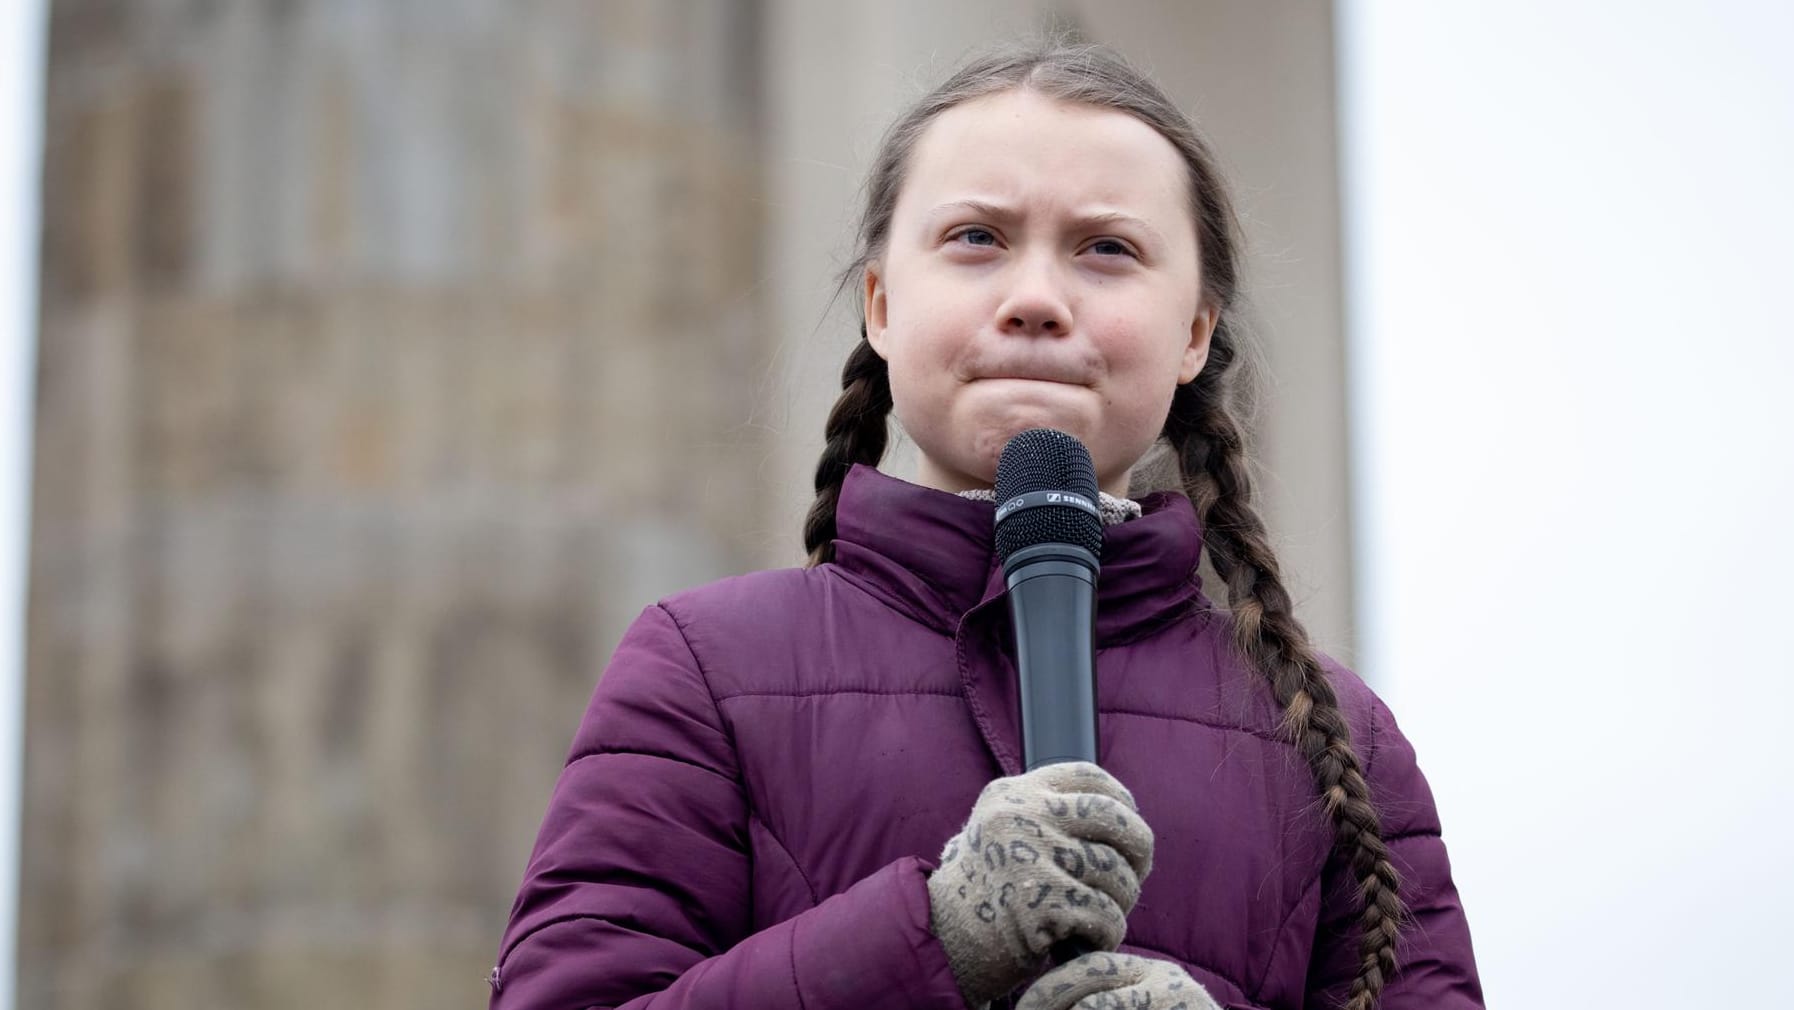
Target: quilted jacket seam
x,y
791,954
1282,924
710,691
560,920
637,752
1268,736
1411,835
789,858
940,692
888,601
1191,608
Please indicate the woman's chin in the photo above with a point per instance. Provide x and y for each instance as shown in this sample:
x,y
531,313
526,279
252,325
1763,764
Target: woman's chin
x,y
987,446
1013,417
969,443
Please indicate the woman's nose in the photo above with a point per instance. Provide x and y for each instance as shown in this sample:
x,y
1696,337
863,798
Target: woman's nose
x,y
1035,304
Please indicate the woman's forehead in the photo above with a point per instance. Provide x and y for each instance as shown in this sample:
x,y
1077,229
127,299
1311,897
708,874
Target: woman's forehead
x,y
1020,148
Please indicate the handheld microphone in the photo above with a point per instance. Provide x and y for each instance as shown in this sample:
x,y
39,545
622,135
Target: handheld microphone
x,y
1049,537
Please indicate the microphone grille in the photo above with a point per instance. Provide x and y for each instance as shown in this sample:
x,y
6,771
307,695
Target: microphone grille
x,y
1042,459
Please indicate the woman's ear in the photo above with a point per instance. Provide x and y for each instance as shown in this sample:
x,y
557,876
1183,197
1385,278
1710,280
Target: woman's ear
x,y
1201,330
873,310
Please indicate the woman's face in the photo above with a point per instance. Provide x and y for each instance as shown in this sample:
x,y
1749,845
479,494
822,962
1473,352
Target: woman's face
x,y
1041,271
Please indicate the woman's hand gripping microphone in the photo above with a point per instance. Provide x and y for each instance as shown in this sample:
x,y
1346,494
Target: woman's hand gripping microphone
x,y
1053,854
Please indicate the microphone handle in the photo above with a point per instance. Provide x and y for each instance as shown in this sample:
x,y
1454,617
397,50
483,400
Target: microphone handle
x,y
1052,606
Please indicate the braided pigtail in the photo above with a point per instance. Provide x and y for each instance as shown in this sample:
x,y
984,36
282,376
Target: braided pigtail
x,y
1211,454
856,433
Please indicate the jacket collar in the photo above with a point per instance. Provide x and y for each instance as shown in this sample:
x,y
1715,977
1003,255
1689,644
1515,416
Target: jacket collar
x,y
930,554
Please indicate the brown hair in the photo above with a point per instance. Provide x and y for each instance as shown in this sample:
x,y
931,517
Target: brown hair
x,y
1202,429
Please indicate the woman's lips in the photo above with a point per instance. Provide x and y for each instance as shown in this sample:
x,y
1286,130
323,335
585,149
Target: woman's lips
x,y
1072,371
1063,378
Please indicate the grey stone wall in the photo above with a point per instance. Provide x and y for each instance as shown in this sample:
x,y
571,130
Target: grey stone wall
x,y
393,355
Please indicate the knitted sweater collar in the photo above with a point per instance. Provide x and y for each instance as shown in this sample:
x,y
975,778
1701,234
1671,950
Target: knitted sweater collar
x,y
1114,510
930,554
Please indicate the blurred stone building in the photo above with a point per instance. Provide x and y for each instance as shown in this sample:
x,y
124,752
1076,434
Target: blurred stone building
x,y
394,355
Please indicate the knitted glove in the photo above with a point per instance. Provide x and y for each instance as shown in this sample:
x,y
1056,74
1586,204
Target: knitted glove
x,y
1116,982
1055,853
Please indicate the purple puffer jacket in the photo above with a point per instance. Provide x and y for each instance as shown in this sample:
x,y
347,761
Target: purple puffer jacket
x,y
771,763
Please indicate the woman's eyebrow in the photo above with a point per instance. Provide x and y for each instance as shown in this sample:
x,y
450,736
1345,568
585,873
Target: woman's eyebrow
x,y
1002,213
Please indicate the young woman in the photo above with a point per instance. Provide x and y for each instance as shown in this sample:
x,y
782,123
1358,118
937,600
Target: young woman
x,y
750,811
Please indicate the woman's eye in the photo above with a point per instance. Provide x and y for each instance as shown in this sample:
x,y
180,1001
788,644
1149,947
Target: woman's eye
x,y
1110,247
975,236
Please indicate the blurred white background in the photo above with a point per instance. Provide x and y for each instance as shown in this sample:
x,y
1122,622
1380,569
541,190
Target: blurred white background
x,y
1570,240
21,124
